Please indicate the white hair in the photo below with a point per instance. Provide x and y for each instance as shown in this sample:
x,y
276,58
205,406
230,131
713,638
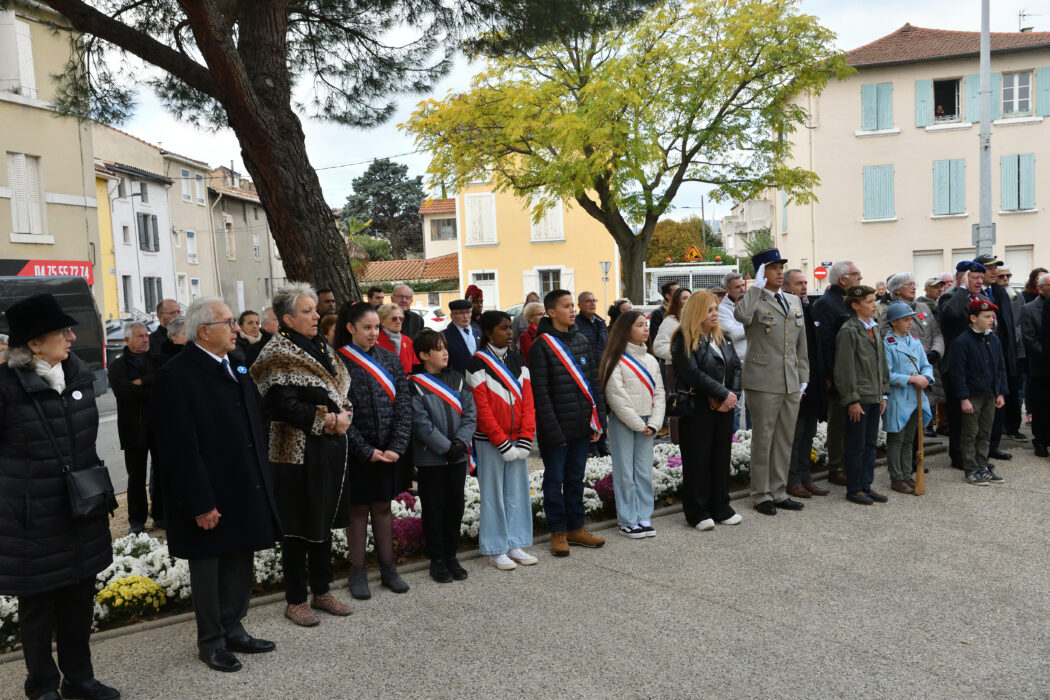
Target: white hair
x,y
730,277
403,286
1043,279
201,312
177,325
130,326
839,269
895,282
287,297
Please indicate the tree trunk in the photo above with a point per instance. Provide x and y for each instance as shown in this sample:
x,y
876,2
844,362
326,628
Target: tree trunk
x,y
632,265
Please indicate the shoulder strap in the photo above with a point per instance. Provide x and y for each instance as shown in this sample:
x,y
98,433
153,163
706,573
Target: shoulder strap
x,y
50,434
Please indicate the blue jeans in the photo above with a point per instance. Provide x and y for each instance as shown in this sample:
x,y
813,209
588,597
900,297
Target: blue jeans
x,y
632,464
860,448
563,469
506,507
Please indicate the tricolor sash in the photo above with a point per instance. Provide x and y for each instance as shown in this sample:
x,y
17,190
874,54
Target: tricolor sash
x,y
641,372
567,360
369,364
446,394
508,379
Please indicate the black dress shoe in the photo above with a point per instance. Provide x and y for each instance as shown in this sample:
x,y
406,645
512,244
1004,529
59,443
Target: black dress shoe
x,y
221,660
92,690
999,454
877,497
1042,451
766,508
49,695
789,504
456,569
1017,435
249,645
439,571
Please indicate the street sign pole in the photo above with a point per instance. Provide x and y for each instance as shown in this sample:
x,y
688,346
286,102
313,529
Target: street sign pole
x,y
605,265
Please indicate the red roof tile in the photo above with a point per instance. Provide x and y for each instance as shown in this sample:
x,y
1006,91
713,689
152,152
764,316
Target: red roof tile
x,y
163,151
443,267
438,206
909,44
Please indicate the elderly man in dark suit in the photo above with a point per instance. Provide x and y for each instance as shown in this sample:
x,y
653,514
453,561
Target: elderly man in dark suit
x,y
813,407
1035,330
462,336
219,495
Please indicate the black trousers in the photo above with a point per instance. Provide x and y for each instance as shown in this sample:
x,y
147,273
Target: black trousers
x,y
222,588
1012,409
135,463
441,489
706,445
405,471
299,556
1037,398
65,614
802,447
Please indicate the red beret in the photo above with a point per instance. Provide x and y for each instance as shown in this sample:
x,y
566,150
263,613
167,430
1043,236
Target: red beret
x,y
979,305
473,291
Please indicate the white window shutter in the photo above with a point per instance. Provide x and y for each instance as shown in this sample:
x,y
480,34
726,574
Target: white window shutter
x,y
16,180
479,219
8,53
34,197
530,282
26,75
568,280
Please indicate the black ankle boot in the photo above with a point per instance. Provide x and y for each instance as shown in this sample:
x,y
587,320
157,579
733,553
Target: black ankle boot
x,y
391,579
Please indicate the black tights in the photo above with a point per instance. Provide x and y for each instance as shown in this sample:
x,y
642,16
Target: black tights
x,y
382,532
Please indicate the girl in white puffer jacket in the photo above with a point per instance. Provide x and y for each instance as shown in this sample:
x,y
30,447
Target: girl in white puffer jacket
x,y
634,394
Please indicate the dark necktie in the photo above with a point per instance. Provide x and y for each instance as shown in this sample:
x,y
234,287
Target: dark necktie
x,y
229,371
783,304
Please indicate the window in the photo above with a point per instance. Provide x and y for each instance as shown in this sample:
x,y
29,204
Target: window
x,y
946,105
550,227
927,264
1019,259
182,288
1018,182
149,235
878,192
152,292
129,299
23,179
266,287
127,234
199,181
244,211
144,190
549,281
1017,94
176,242
195,288
442,229
187,194
876,106
255,212
949,187
256,249
480,218
191,247
433,298
16,61
231,244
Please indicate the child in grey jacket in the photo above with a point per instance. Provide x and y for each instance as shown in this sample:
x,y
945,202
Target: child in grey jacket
x,y
443,423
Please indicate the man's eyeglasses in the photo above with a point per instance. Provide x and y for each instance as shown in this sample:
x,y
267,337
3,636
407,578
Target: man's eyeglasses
x,y
232,323
1006,276
403,297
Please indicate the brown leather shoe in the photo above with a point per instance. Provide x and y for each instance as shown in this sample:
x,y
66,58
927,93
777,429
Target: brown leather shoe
x,y
301,615
837,476
798,491
330,605
559,545
815,490
901,486
583,538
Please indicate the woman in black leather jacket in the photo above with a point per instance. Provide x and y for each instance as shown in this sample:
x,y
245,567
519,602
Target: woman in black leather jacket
x,y
706,364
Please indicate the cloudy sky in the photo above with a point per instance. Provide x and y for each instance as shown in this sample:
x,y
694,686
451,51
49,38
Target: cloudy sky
x,y
854,22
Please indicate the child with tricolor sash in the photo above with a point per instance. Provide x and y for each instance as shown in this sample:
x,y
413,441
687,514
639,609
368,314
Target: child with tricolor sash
x,y
634,393
506,426
443,422
569,410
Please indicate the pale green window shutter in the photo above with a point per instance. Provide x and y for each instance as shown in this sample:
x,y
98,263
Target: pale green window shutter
x,y
1026,181
878,192
923,102
973,98
885,108
941,187
1042,92
957,186
997,94
869,108
1008,167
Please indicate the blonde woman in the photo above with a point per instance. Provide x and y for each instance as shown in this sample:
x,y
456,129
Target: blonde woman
x,y
706,365
532,313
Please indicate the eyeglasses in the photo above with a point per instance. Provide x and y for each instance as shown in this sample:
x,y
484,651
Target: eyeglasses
x,y
1006,276
232,323
403,297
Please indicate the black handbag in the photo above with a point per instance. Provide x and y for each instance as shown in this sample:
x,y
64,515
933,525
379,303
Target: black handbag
x,y
90,490
681,403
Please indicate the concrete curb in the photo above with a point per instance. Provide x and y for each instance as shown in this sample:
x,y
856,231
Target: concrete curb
x,y
413,567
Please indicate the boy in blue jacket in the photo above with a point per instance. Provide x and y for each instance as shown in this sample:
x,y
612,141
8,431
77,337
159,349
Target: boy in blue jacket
x,y
977,375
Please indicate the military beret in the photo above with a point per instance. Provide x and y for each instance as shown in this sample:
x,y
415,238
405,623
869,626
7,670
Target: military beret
x,y
979,305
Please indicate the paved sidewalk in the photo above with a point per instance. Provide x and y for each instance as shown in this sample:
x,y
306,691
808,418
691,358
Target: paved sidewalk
x,y
940,596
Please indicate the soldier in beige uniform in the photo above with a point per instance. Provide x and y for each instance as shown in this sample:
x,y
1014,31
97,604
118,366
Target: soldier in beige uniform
x,y
776,369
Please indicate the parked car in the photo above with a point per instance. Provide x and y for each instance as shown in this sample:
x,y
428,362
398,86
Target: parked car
x,y
514,310
433,317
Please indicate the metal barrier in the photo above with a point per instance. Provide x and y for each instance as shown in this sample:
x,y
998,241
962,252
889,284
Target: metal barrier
x,y
694,276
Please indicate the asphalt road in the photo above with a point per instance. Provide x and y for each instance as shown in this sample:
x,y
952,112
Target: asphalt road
x,y
108,446
943,596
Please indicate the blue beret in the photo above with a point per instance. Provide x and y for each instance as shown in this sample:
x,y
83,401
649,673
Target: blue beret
x,y
969,266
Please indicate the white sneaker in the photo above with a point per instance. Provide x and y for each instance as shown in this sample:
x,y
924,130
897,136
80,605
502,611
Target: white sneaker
x,y
706,524
520,556
503,563
734,519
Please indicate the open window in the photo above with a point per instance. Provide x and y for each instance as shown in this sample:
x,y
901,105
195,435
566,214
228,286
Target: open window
x,y
946,103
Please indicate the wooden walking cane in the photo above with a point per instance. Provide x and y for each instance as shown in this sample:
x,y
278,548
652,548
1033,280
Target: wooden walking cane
x,y
920,470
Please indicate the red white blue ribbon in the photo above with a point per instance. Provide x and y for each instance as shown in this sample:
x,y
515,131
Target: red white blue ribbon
x,y
641,372
508,379
369,364
446,394
567,360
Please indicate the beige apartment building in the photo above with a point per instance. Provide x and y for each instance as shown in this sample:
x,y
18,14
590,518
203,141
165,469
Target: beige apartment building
x,y
896,149
48,218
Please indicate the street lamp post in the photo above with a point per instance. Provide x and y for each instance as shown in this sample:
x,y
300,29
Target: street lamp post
x,y
605,265
984,232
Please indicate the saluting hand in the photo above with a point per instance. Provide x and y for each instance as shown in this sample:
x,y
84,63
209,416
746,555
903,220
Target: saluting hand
x,y
209,520
760,276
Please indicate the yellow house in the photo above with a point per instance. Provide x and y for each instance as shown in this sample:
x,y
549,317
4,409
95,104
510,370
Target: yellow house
x,y
507,255
107,255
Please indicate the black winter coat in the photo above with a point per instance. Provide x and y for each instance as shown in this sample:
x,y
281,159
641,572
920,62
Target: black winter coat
x,y
562,411
815,399
829,313
212,450
133,419
378,424
41,548
412,324
251,354
953,317
705,372
976,366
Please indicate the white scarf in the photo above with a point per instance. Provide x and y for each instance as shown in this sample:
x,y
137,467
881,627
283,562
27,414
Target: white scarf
x,y
500,353
395,338
55,376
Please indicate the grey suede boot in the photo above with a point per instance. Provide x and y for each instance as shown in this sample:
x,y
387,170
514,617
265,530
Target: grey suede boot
x,y
359,583
391,579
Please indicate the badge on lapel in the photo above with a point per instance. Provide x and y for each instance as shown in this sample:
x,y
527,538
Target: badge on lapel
x,y
583,360
241,369
77,395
